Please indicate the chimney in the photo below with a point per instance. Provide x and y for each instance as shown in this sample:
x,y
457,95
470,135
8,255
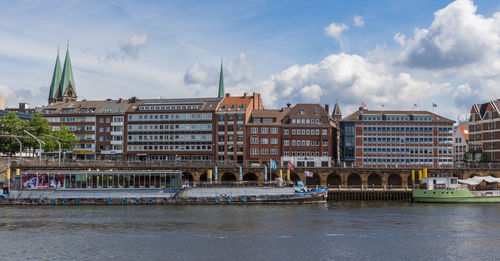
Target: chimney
x,y
228,95
120,100
360,108
327,108
244,95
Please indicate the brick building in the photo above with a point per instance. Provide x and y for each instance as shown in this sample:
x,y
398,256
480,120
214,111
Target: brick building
x,y
264,139
308,136
484,132
231,116
396,138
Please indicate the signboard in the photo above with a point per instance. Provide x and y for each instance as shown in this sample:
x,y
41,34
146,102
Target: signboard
x,y
81,152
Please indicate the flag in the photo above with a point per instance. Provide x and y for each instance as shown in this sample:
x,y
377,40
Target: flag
x,y
241,174
308,174
265,173
273,164
215,173
434,105
363,104
291,166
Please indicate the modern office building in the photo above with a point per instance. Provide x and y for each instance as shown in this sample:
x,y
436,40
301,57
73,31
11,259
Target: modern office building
x,y
396,138
484,132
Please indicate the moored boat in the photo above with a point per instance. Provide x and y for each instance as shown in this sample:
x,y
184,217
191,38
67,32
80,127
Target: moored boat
x,y
449,189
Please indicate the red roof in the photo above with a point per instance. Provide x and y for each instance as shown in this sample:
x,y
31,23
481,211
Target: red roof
x,y
465,131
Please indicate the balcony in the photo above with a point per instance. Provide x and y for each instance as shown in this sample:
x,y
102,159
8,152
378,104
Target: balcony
x,y
117,123
117,142
111,152
117,133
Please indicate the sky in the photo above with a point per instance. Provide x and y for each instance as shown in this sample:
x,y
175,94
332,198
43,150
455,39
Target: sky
x,y
387,54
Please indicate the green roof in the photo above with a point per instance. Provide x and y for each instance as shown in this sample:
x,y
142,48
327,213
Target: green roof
x,y
56,79
221,83
67,79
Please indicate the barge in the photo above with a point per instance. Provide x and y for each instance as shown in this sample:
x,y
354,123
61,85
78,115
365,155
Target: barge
x,y
144,187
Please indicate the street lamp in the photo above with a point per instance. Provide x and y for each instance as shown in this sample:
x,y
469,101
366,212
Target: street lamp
x,y
16,137
40,142
59,144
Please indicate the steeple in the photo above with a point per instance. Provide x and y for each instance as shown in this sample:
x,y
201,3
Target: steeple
x,y
221,82
56,79
336,114
67,88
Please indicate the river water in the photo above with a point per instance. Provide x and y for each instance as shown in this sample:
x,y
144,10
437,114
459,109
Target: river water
x,y
333,231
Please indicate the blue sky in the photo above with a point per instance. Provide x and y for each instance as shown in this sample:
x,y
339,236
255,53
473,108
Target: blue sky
x,y
397,53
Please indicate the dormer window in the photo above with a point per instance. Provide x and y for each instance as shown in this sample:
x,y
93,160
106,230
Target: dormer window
x,y
301,111
256,120
223,107
233,107
316,111
242,106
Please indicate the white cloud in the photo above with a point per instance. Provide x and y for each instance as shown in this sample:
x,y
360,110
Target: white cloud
x,y
358,21
132,47
351,79
335,30
13,96
311,93
400,38
238,75
458,36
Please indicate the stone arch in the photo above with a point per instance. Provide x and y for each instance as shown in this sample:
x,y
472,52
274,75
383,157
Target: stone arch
x,y
374,179
314,180
354,180
394,180
228,176
203,177
186,176
294,177
250,177
333,179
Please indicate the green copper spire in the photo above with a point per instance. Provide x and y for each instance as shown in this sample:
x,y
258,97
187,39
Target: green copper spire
x,y
56,79
221,82
67,86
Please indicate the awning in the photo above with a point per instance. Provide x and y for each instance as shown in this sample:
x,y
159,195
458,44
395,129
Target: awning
x,y
478,180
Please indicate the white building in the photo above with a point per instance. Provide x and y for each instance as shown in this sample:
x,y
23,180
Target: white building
x,y
460,143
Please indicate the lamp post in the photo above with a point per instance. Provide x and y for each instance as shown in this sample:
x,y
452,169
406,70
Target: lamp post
x,y
40,142
16,137
59,144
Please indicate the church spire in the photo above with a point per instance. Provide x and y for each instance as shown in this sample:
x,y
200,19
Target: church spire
x,y
67,88
221,82
336,114
56,79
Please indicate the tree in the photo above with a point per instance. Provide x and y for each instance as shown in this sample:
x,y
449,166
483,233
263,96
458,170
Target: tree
x,y
66,138
11,124
466,157
485,157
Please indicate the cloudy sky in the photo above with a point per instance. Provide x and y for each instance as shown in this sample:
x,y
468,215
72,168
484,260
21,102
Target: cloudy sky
x,y
393,53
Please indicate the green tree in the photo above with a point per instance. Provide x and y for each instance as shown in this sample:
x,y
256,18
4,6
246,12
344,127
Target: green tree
x,y
466,157
66,138
485,157
11,124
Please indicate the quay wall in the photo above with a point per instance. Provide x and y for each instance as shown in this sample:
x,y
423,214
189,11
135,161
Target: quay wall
x,y
332,177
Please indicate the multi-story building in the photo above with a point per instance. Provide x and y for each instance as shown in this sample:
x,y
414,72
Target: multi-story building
x,y
460,144
308,136
484,132
171,129
231,116
264,136
80,118
396,138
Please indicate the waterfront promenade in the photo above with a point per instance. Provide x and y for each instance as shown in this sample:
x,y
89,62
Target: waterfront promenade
x,y
347,178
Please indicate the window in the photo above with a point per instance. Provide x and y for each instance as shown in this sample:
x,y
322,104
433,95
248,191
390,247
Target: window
x,y
221,117
264,130
325,143
101,138
324,132
274,130
264,141
254,130
263,151
274,141
221,148
286,143
241,116
274,151
101,129
230,128
254,151
254,140
294,132
221,128
256,120
301,111
316,111
286,131
230,118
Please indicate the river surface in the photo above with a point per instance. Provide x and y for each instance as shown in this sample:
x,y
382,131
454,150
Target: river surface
x,y
334,231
